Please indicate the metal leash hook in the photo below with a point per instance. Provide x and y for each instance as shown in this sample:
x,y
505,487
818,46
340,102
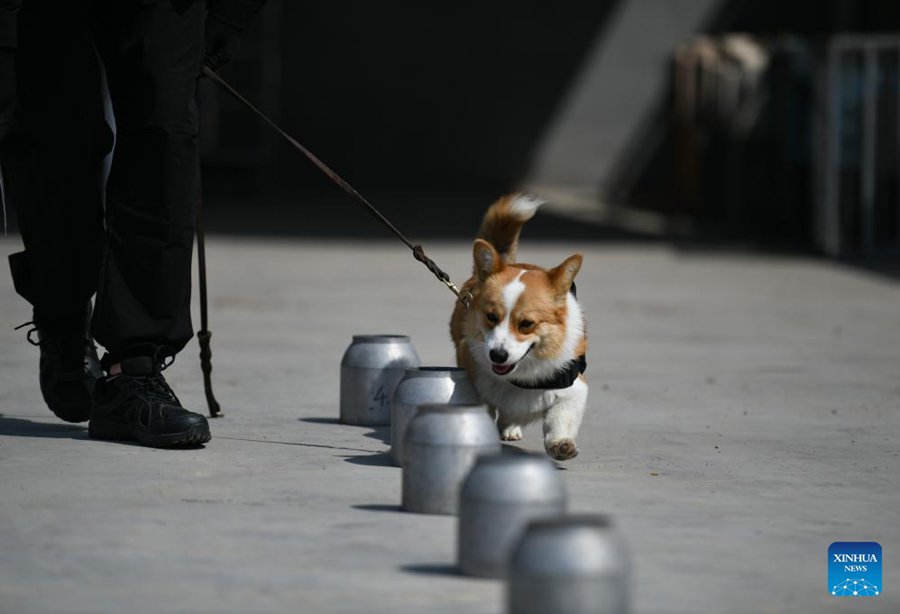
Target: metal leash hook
x,y
463,297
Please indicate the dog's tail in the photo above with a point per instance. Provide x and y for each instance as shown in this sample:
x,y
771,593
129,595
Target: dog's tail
x,y
504,220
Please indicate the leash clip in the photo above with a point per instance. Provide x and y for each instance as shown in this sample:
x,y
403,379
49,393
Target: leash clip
x,y
463,297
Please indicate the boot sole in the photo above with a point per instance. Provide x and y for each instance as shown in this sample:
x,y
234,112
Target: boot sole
x,y
70,411
196,435
73,414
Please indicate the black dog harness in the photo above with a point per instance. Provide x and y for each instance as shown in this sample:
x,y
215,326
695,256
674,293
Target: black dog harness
x,y
559,380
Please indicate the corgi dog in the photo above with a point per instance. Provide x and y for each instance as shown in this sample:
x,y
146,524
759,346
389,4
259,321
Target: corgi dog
x,y
521,339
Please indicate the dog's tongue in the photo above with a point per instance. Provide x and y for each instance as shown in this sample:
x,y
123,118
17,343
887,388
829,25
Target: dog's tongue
x,y
502,369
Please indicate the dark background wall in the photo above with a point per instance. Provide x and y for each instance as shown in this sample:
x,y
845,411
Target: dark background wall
x,y
423,96
433,110
463,98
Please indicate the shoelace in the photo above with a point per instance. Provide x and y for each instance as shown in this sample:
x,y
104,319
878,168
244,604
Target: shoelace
x,y
33,337
155,385
37,342
32,330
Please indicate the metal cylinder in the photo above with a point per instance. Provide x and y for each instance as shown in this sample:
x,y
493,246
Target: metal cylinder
x,y
371,368
423,386
439,449
501,495
571,564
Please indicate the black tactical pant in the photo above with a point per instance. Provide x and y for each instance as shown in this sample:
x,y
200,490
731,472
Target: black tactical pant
x,y
140,263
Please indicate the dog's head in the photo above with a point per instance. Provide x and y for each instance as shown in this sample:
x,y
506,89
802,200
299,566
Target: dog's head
x,y
524,311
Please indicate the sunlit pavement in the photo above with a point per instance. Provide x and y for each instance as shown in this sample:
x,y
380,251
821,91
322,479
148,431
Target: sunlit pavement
x,y
744,414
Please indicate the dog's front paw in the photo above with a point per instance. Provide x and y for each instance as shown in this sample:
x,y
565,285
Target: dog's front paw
x,y
562,449
511,433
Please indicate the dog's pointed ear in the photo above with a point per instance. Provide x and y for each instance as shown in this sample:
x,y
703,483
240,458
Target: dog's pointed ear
x,y
563,275
487,259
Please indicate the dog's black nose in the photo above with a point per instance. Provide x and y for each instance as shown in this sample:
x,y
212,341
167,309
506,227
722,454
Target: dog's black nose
x,y
499,356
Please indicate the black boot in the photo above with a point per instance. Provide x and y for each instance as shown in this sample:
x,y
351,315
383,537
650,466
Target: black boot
x,y
138,405
69,367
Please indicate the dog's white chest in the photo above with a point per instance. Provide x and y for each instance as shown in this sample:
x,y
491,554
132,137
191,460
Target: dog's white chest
x,y
511,399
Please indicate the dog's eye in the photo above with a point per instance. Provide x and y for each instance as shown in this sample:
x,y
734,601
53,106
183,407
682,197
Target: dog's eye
x,y
492,317
525,325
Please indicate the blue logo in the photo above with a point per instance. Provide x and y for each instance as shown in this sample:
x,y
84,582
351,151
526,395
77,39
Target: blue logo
x,y
854,569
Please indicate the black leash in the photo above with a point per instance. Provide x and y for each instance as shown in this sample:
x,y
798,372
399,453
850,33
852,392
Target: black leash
x,y
203,336
418,252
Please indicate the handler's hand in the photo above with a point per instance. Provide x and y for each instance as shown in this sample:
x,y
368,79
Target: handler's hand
x,y
222,42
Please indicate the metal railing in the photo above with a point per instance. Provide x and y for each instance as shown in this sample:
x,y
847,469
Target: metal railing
x,y
859,204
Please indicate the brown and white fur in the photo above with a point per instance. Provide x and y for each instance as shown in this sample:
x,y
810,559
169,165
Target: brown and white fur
x,y
522,324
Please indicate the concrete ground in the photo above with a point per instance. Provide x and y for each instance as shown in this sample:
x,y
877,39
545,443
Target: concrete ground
x,y
743,415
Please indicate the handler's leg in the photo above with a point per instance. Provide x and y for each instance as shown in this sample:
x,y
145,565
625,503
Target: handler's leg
x,y
152,53
51,163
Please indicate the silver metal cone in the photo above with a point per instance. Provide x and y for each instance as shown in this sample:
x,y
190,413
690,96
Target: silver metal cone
x,y
423,386
440,447
574,564
501,495
371,368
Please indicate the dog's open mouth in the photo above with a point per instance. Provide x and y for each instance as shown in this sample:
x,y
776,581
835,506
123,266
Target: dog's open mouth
x,y
506,369
503,369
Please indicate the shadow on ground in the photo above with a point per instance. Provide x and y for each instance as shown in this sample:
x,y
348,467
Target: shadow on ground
x,y
377,507
432,569
883,267
380,433
20,427
379,459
